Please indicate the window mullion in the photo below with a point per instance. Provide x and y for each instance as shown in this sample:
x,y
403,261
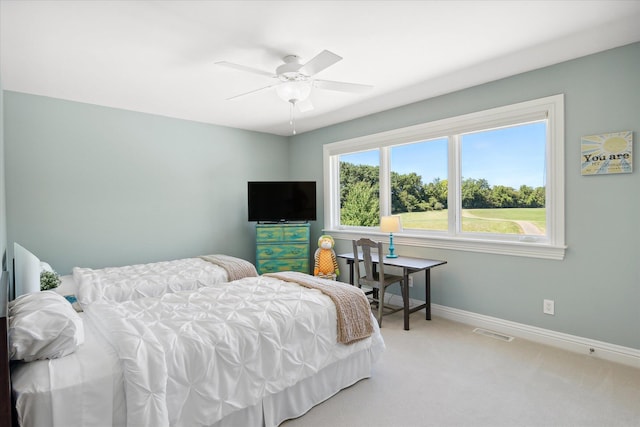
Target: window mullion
x,y
332,211
454,184
385,181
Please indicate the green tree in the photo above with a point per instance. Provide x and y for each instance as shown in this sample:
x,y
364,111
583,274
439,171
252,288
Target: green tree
x,y
525,197
539,198
475,193
360,194
361,206
436,193
503,197
351,174
407,193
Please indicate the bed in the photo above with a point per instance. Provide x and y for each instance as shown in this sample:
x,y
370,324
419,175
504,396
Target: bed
x,y
132,281
252,351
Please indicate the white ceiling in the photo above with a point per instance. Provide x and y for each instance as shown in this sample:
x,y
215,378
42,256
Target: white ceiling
x,y
159,56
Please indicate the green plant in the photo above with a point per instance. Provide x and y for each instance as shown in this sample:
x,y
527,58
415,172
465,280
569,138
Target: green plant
x,y
49,280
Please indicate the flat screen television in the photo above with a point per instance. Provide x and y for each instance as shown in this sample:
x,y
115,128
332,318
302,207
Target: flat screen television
x,y
282,201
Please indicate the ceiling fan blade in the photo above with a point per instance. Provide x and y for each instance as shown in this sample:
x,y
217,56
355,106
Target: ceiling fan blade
x,y
305,105
318,63
244,68
342,86
253,91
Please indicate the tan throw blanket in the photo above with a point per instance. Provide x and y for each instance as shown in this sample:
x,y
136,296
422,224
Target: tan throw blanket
x,y
236,268
352,306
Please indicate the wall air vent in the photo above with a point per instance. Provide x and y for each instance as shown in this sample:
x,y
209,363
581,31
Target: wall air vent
x,y
492,334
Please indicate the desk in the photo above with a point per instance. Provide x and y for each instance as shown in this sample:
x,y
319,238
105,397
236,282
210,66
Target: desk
x,y
409,265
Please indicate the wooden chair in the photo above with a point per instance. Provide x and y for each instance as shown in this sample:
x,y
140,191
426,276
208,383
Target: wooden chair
x,y
377,280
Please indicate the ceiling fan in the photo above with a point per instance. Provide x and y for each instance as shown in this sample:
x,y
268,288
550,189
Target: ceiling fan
x,y
295,80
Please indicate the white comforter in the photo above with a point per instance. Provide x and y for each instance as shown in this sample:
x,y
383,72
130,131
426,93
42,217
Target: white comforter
x,y
144,280
192,357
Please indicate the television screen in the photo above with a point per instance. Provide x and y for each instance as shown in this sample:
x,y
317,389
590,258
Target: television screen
x,y
282,201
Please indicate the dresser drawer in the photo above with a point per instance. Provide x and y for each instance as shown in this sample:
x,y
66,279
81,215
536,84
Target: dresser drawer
x,y
269,234
296,234
274,265
290,250
284,233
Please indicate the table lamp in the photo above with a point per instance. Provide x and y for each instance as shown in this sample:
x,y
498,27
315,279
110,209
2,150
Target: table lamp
x,y
391,224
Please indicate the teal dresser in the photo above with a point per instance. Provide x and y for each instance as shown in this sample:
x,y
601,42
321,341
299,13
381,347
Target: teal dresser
x,y
282,247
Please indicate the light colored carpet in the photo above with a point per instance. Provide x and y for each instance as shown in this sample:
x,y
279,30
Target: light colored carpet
x,y
440,373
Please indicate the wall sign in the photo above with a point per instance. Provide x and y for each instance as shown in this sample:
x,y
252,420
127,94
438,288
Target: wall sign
x,y
607,153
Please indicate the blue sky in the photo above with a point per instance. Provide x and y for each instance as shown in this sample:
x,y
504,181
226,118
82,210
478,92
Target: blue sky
x,y
508,156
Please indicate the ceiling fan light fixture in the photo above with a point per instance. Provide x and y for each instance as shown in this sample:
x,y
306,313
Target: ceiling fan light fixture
x,y
296,80
294,91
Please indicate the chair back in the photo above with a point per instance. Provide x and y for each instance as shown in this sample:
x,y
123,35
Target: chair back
x,y
366,247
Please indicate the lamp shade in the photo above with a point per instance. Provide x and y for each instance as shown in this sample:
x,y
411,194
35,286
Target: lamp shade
x,y
294,91
390,224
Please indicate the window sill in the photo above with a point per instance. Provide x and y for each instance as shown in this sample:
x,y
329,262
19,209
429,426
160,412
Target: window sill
x,y
511,248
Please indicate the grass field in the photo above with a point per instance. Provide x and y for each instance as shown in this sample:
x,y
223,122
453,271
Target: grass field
x,y
502,221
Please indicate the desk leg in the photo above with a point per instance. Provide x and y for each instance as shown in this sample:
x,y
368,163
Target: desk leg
x,y
427,289
350,263
405,298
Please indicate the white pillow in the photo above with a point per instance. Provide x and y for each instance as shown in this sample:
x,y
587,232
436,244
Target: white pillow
x,y
43,325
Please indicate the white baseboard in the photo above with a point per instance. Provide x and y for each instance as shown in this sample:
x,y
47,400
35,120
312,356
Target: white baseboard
x,y
615,353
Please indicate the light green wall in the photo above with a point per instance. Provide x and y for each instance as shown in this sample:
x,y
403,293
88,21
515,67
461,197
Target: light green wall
x,y
597,287
94,186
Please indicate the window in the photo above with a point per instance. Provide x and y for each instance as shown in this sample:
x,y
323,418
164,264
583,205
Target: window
x,y
503,180
360,188
419,184
491,181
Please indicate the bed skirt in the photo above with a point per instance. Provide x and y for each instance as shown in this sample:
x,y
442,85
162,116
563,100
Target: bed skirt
x,y
297,400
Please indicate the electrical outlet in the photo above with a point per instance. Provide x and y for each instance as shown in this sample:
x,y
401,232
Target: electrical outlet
x,y
411,281
548,307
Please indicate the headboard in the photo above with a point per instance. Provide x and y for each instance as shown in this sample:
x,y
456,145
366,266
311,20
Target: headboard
x,y
26,271
6,405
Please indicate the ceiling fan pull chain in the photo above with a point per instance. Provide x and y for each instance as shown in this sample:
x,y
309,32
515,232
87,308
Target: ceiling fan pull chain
x,y
292,121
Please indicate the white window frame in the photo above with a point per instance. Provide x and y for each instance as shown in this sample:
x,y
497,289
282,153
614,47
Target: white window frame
x,y
552,246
